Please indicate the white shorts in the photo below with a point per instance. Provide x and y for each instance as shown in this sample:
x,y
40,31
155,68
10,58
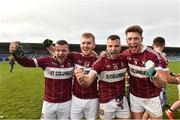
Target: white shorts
x,y
59,111
151,105
87,108
110,110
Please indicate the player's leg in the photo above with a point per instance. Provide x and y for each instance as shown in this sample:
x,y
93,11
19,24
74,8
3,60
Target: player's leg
x,y
77,108
11,67
48,111
63,110
91,109
145,115
170,111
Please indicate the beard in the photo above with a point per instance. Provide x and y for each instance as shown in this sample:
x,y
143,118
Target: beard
x,y
61,58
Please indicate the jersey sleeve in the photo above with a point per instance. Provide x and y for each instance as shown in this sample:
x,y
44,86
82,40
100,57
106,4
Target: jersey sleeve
x,y
42,62
158,62
98,66
24,61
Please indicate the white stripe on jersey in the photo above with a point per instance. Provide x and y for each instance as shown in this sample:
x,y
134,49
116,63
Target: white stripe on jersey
x,y
137,71
36,63
78,66
113,76
58,73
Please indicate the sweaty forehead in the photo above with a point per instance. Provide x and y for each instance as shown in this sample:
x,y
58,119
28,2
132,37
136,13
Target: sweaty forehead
x,y
133,34
57,46
116,41
83,39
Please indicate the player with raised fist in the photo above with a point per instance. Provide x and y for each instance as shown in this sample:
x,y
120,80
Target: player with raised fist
x,y
58,72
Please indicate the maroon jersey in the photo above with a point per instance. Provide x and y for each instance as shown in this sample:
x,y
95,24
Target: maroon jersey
x,y
58,77
140,84
111,77
84,62
164,61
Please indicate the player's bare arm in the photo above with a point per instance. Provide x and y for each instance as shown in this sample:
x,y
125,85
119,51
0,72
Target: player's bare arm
x,y
158,79
84,80
172,78
51,50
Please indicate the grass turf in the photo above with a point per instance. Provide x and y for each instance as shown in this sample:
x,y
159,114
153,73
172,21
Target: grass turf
x,y
21,92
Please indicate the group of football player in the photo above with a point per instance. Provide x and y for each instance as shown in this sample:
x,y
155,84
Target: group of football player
x,y
89,85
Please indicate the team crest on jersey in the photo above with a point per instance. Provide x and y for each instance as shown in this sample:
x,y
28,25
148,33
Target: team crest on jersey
x,y
108,66
115,66
135,61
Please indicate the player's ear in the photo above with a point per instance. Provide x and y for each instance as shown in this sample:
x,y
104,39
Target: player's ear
x,y
142,39
94,46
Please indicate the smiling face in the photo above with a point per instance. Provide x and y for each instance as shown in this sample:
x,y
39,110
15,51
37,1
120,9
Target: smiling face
x,y
134,41
61,52
113,48
87,45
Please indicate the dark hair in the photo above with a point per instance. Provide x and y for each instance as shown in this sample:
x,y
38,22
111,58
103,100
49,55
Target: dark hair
x,y
88,35
134,28
159,41
113,37
62,42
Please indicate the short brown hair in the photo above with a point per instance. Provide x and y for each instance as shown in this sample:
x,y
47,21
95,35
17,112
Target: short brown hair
x,y
88,35
134,28
113,37
159,41
62,42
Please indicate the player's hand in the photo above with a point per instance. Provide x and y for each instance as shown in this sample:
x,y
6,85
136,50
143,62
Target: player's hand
x,y
13,46
102,53
178,75
79,73
47,43
150,68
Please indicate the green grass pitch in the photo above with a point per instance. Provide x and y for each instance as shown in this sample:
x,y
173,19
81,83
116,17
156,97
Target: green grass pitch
x,y
21,92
